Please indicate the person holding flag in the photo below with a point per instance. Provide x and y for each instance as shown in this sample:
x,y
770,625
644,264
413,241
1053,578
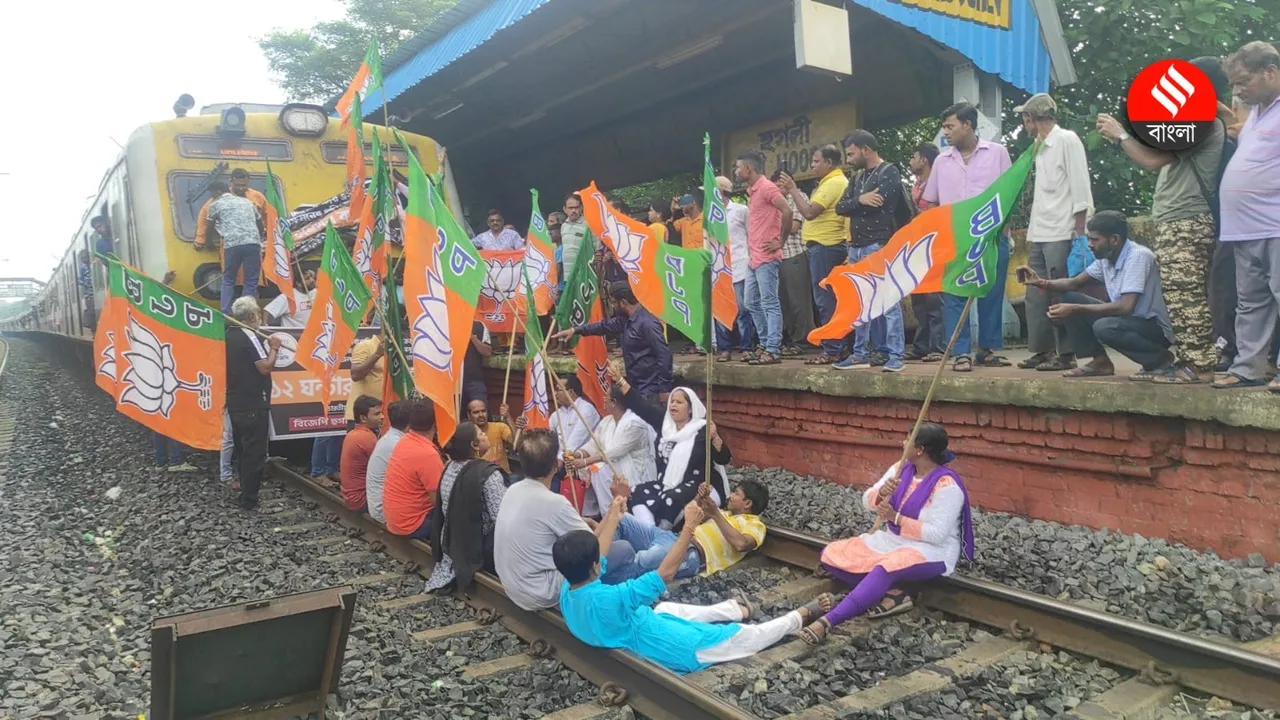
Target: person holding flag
x,y
249,367
644,349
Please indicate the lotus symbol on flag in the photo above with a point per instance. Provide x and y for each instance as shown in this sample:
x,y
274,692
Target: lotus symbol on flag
x,y
152,380
602,375
280,253
324,341
430,338
627,245
880,292
108,365
719,268
364,255
538,399
537,269
503,278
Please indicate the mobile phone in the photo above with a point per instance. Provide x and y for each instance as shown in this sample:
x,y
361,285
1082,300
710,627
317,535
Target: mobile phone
x,y
1023,275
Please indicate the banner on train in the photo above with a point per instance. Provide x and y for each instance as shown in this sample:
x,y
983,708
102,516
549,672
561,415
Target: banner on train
x,y
295,392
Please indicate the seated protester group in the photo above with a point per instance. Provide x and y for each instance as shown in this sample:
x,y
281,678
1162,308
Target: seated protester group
x,y
357,448
628,442
376,475
530,520
927,526
413,475
722,539
682,457
466,510
499,433
681,638
1135,322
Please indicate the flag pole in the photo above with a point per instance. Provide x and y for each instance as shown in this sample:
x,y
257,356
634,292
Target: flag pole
x,y
711,363
382,318
891,485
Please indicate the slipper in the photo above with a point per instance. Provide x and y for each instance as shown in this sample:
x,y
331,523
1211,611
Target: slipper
x,y
747,357
1177,376
740,597
964,364
811,636
1034,362
1087,371
724,357
990,359
790,351
765,359
1231,381
932,357
1144,375
1056,363
823,359
900,602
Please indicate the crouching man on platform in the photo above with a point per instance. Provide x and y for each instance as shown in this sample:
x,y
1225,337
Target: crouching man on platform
x,y
1134,322
722,538
681,638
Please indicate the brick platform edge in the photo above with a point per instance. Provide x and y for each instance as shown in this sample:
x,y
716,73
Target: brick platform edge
x,y
1207,485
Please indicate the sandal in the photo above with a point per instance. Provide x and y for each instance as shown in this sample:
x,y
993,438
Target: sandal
x,y
751,608
747,357
724,357
1057,363
1085,371
823,359
765,358
1034,362
1231,381
932,357
987,358
899,602
1177,376
1143,375
790,351
963,363
813,637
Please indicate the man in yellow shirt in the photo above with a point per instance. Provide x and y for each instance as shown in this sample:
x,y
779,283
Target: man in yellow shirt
x,y
723,538
368,363
824,233
690,225
499,433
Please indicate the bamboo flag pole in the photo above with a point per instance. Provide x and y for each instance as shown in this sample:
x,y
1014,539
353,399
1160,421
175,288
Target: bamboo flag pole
x,y
711,363
891,485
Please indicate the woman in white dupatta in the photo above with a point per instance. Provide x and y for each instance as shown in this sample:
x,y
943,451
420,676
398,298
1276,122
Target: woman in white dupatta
x,y
628,441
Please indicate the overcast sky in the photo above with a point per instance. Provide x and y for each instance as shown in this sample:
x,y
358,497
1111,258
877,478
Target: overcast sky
x,y
88,73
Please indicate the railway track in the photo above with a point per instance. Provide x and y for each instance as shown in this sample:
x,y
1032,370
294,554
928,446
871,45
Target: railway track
x,y
1155,663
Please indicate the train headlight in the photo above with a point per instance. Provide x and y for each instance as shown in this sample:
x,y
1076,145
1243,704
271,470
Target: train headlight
x,y
304,120
232,124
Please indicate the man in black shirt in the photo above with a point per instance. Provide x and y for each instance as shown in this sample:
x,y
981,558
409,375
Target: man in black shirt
x,y
473,384
249,366
870,202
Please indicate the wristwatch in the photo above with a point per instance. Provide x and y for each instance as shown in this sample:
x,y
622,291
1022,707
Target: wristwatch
x,y
1122,137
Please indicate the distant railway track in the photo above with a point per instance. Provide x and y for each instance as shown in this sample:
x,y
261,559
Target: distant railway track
x,y
1162,661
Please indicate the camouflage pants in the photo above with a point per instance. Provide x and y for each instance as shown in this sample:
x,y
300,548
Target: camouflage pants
x,y
1184,249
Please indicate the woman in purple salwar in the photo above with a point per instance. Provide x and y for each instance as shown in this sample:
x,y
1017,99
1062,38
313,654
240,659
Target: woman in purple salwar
x,y
927,525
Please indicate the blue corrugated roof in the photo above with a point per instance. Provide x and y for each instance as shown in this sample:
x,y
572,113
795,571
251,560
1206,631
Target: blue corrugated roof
x,y
458,41
1017,55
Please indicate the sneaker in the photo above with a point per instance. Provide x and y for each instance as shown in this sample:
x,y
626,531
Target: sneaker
x,y
878,359
893,366
852,363
183,468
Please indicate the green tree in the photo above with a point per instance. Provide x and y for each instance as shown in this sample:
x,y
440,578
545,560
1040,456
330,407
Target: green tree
x,y
315,65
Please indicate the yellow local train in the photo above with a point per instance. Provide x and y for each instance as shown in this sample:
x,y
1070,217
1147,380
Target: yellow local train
x,y
147,206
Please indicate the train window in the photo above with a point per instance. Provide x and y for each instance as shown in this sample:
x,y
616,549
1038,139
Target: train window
x,y
185,202
335,153
213,146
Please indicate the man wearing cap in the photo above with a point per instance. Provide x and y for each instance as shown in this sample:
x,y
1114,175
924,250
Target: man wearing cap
x,y
689,224
1060,205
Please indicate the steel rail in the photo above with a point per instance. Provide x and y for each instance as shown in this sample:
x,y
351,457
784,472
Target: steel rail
x,y
1159,654
654,691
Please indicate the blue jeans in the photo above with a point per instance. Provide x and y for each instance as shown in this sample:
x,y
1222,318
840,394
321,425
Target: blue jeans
x,y
990,311
225,469
234,259
885,334
168,452
651,545
326,453
764,304
822,260
746,329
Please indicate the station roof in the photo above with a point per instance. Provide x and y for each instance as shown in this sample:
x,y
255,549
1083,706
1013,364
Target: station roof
x,y
559,92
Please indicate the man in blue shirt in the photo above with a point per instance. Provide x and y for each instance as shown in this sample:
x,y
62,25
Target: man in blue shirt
x,y
644,349
681,638
1135,322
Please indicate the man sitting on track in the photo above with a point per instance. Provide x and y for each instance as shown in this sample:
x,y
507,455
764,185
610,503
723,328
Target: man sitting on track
x,y
398,417
413,475
530,520
723,538
357,448
681,638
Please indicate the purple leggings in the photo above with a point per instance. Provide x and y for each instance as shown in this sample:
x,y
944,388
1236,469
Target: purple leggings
x,y
870,588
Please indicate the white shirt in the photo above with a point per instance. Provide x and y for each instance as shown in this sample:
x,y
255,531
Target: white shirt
x,y
573,434
1062,187
739,255
278,309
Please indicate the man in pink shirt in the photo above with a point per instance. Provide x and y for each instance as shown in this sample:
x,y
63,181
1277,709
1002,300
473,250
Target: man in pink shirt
x,y
768,213
966,168
1250,212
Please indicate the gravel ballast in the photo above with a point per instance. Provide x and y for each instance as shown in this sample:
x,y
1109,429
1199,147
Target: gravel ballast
x,y
1133,576
82,576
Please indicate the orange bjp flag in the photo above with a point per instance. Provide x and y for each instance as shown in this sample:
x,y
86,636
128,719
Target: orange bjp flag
x,y
342,299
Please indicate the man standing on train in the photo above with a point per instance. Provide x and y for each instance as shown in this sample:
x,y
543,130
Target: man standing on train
x,y
236,220
239,188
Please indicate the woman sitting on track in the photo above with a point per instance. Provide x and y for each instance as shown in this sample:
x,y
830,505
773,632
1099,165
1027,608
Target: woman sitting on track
x,y
628,443
682,457
927,524
471,491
